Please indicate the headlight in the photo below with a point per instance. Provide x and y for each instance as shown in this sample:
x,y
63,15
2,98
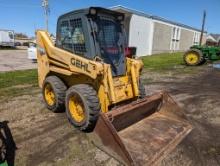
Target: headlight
x,y
92,11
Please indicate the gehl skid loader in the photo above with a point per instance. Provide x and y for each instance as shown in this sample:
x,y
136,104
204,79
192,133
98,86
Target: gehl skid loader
x,y
87,74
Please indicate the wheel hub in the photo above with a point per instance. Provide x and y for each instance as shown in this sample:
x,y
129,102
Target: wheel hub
x,y
192,58
49,95
76,108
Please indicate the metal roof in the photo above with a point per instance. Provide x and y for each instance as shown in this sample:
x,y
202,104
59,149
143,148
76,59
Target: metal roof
x,y
85,11
132,11
140,13
215,36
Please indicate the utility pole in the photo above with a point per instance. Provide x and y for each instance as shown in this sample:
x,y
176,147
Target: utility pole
x,y
203,26
45,5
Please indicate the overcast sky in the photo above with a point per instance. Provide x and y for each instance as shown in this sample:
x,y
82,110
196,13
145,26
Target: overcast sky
x,y
27,15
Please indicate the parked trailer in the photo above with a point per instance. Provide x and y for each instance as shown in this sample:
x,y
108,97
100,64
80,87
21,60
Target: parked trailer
x,y
7,38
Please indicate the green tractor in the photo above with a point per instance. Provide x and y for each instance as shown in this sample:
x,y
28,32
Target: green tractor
x,y
198,55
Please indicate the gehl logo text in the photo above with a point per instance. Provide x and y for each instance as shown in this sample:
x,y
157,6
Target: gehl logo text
x,y
79,64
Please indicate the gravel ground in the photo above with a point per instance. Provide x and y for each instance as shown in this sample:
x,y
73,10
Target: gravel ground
x,y
15,60
44,138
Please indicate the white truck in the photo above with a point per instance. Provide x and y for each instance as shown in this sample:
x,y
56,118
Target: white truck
x,y
7,38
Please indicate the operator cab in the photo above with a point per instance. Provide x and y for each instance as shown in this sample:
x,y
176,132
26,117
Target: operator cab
x,y
94,33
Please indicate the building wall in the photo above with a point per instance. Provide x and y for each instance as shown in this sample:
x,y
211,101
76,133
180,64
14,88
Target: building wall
x,y
141,34
186,39
152,36
211,41
161,38
127,25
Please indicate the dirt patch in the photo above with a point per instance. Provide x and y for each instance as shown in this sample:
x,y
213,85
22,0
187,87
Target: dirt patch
x,y
44,138
15,60
199,96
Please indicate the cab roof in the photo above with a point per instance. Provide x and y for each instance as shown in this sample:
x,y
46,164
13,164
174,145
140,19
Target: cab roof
x,y
86,11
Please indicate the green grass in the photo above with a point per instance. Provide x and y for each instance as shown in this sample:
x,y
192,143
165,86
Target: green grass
x,y
14,78
15,83
19,82
166,61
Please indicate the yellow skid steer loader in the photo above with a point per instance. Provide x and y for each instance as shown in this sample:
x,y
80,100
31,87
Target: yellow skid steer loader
x,y
87,74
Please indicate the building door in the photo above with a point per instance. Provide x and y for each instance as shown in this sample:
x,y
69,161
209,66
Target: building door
x,y
175,39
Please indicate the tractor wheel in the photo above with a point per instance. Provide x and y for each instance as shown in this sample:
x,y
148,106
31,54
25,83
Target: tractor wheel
x,y
82,107
193,57
141,88
54,91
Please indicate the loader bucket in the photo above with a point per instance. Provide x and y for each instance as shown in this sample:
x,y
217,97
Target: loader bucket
x,y
142,132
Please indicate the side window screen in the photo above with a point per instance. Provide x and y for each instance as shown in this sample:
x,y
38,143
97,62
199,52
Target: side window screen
x,y
109,36
72,37
78,38
65,36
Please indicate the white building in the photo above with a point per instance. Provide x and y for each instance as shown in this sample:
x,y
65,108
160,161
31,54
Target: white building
x,y
152,34
213,40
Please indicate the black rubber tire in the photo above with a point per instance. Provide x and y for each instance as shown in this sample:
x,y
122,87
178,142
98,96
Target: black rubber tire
x,y
2,150
59,88
91,103
141,88
199,55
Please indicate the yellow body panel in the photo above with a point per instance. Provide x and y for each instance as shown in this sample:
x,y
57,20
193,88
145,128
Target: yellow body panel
x,y
74,69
